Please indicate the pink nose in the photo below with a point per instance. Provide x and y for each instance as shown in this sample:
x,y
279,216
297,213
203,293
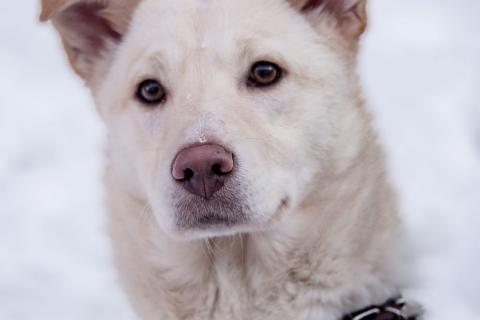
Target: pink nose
x,y
202,169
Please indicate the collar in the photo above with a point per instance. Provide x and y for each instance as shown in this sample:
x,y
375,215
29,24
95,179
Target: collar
x,y
393,309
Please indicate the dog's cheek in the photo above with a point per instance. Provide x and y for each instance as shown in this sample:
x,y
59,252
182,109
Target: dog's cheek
x,y
267,166
301,137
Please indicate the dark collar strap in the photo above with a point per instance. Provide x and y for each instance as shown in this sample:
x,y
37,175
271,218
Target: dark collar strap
x,y
393,309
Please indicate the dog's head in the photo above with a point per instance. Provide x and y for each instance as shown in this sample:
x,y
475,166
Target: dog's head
x,y
222,114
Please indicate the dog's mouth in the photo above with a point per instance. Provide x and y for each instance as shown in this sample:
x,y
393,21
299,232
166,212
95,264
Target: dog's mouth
x,y
223,211
226,213
213,220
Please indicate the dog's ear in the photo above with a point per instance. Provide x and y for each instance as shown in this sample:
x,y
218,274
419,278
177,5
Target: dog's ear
x,y
349,16
90,29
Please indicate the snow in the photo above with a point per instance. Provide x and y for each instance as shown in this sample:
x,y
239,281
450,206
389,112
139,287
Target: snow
x,y
421,67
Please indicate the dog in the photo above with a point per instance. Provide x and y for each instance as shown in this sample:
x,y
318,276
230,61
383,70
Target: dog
x,y
244,178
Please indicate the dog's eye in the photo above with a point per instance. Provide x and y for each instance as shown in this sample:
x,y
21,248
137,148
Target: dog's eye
x,y
264,74
151,92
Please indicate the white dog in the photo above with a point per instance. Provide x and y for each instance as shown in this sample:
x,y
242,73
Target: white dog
x,y
244,179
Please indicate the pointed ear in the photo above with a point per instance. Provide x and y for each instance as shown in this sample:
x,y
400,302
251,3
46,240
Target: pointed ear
x,y
350,16
89,29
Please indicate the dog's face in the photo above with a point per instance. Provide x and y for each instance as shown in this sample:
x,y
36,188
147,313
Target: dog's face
x,y
222,114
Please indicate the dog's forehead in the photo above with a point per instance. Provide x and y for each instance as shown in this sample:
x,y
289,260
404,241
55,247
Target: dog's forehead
x,y
199,22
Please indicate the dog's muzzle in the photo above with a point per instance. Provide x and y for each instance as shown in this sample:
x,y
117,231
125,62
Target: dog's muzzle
x,y
208,194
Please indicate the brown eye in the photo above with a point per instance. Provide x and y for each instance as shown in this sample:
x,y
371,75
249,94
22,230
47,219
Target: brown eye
x,y
151,92
264,74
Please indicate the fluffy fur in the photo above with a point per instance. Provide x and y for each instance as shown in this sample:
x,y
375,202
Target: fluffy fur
x,y
322,231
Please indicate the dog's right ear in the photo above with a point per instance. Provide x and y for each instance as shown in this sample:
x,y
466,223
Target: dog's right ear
x,y
348,16
90,29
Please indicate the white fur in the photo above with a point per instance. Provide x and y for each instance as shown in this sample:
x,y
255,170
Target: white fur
x,y
323,228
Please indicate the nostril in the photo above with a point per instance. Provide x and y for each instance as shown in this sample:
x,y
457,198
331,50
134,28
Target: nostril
x,y
217,169
187,174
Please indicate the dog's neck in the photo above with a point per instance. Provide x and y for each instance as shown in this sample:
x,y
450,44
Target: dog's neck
x,y
333,254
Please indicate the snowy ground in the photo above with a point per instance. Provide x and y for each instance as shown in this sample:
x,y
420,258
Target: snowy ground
x,y
421,65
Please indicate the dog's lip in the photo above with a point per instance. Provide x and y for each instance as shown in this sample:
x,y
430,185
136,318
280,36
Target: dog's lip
x,y
212,219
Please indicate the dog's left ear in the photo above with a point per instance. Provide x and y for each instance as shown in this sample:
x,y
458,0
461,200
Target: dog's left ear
x,y
349,16
90,29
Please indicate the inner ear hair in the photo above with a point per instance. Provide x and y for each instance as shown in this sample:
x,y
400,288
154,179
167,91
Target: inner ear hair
x,y
350,15
354,19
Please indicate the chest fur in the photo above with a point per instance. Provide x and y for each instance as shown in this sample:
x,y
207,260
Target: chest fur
x,y
232,280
